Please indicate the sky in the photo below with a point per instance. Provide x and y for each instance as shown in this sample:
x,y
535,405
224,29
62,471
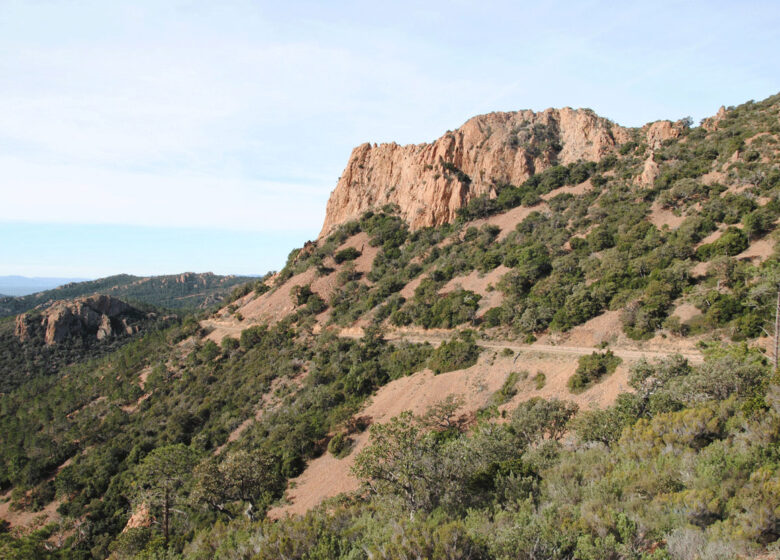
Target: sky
x,y
155,137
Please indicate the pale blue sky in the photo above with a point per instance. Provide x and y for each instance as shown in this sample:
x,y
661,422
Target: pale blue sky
x,y
154,137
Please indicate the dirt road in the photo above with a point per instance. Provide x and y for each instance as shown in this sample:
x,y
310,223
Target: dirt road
x,y
628,354
224,328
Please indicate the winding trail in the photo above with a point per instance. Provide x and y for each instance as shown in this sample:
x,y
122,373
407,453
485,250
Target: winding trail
x,y
628,354
225,328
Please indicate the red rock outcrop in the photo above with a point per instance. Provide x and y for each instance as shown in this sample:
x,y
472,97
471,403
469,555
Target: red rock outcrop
x,y
429,182
103,316
711,123
659,131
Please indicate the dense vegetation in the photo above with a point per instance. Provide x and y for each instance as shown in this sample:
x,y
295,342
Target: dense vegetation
x,y
683,467
184,291
591,369
105,422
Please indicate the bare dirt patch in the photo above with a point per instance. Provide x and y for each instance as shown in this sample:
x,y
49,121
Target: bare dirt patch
x,y
130,408
277,303
607,329
576,190
220,328
660,217
603,328
700,269
360,242
686,312
143,376
478,283
713,177
273,305
407,292
507,221
28,520
759,250
711,238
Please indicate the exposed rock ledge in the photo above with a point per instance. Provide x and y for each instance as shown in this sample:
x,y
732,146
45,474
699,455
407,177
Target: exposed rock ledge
x,y
490,149
100,316
430,182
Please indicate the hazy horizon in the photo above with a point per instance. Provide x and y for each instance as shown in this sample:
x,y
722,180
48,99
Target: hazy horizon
x,y
155,139
17,286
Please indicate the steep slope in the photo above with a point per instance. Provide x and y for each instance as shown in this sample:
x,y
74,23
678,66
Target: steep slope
x,y
652,203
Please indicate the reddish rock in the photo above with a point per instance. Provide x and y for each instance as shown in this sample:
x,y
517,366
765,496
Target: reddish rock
x,y
103,315
656,133
488,150
22,328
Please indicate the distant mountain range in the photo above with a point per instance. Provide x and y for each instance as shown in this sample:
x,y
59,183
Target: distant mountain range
x,y
188,290
22,285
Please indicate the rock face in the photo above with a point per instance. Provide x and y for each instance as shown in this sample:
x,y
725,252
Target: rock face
x,y
98,316
429,182
712,123
659,131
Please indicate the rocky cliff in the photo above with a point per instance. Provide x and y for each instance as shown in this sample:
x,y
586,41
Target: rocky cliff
x,y
99,316
430,182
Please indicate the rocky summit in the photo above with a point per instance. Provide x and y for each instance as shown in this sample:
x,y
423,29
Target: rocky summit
x,y
430,182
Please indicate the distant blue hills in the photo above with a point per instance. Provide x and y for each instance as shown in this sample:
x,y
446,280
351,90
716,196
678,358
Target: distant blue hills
x,y
23,285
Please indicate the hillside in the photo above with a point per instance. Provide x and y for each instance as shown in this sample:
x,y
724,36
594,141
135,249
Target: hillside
x,y
569,362
44,342
181,291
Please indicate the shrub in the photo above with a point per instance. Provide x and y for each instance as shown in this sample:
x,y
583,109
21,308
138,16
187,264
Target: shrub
x,y
537,419
492,317
509,388
300,294
340,445
759,221
591,369
348,254
732,242
458,353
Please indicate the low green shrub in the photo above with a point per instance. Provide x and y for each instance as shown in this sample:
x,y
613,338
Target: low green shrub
x,y
591,369
458,353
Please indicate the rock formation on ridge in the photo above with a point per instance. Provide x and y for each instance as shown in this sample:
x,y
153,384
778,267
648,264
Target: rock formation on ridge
x,y
430,182
99,316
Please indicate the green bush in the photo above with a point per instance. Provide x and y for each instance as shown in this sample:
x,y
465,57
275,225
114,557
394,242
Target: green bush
x,y
591,369
732,242
348,254
340,445
458,353
508,388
